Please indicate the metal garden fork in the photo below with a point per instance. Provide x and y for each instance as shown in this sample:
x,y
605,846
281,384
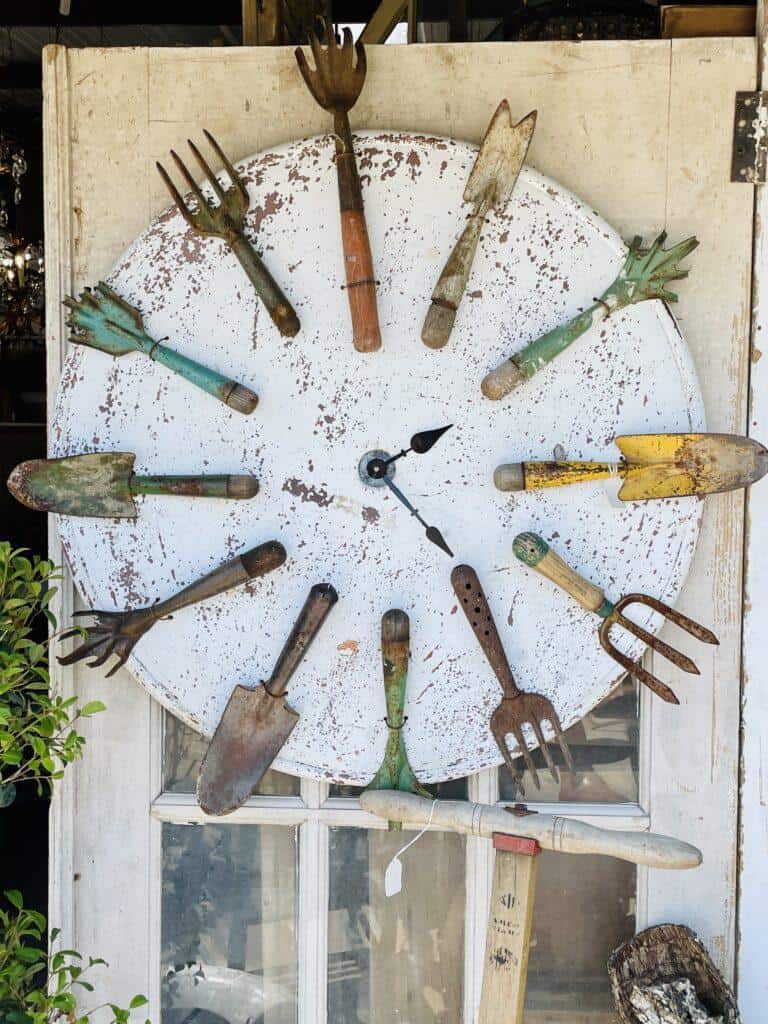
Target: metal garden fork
x,y
537,554
517,708
226,220
336,84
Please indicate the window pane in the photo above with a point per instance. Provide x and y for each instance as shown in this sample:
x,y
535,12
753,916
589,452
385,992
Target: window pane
x,y
229,924
396,959
183,750
604,747
585,907
455,789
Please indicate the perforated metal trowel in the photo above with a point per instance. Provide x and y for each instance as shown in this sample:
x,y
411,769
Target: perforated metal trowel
x,y
490,184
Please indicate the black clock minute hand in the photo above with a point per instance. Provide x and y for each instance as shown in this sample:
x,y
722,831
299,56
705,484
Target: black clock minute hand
x,y
420,443
432,532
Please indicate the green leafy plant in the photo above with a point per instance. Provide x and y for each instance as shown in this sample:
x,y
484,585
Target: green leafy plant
x,y
38,737
42,988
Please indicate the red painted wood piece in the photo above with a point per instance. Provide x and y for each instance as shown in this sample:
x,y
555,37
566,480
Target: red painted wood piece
x,y
515,844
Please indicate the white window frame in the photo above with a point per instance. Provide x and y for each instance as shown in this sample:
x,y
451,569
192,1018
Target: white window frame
x,y
315,813
107,812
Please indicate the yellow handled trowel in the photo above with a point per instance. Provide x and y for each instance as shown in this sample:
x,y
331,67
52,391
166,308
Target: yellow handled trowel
x,y
653,466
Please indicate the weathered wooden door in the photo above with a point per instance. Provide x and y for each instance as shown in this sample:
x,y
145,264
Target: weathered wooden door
x,y
285,895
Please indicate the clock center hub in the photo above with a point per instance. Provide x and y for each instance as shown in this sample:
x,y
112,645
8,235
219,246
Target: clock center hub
x,y
373,468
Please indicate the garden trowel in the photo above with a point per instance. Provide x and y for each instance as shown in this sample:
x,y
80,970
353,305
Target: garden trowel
x,y
653,466
490,184
104,484
257,722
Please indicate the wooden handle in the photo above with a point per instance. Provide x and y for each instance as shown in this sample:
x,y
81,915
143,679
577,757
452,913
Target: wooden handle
x,y
537,554
452,282
230,392
256,562
269,291
231,486
395,644
508,939
532,476
361,282
475,606
551,832
321,598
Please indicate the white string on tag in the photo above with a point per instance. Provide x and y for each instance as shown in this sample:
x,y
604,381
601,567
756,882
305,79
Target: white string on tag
x,y
393,876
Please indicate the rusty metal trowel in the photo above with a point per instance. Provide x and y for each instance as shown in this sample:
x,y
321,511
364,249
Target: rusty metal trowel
x,y
257,722
489,185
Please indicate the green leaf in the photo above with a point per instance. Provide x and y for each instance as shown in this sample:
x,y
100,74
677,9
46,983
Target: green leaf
x,y
14,896
137,1001
92,708
7,794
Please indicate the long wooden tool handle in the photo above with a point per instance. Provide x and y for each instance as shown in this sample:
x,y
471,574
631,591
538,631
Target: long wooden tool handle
x,y
452,282
257,562
532,476
509,938
358,262
321,598
474,604
269,291
537,554
232,486
236,396
551,832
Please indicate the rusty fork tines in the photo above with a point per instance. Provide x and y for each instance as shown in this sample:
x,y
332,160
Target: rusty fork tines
x,y
537,554
517,708
336,83
226,220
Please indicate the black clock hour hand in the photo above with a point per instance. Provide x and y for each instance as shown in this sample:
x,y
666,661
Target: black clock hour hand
x,y
432,532
420,443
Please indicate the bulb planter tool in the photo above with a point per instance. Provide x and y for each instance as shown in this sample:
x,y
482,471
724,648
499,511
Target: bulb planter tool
x,y
118,632
517,708
257,722
489,186
534,552
336,84
104,484
226,220
518,836
395,771
653,466
644,275
101,319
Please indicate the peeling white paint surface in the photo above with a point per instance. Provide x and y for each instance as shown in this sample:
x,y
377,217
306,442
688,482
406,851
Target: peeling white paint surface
x,y
323,405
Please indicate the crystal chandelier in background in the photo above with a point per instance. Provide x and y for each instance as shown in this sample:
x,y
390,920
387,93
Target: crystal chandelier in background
x,y
22,288
14,164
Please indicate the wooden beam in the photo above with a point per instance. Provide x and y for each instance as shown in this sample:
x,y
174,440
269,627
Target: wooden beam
x,y
384,20
262,23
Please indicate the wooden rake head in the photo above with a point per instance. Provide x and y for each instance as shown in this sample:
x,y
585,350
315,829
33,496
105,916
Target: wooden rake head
x,y
223,220
617,618
337,80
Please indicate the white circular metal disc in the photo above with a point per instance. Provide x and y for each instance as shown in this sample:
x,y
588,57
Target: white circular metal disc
x,y
323,405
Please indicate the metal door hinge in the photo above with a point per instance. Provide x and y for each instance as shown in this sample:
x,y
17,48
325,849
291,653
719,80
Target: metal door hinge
x,y
750,138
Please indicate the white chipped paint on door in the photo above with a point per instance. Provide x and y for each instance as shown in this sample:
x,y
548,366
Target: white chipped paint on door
x,y
323,405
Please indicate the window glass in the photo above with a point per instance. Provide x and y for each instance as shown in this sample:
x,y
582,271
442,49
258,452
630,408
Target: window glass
x,y
455,789
396,959
229,924
183,750
604,747
585,907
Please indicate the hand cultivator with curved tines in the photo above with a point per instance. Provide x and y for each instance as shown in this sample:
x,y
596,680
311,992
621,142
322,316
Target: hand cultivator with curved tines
x,y
226,221
336,84
517,708
118,632
537,554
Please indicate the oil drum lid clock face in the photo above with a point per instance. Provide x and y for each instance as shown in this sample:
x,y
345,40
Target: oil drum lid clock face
x,y
323,405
